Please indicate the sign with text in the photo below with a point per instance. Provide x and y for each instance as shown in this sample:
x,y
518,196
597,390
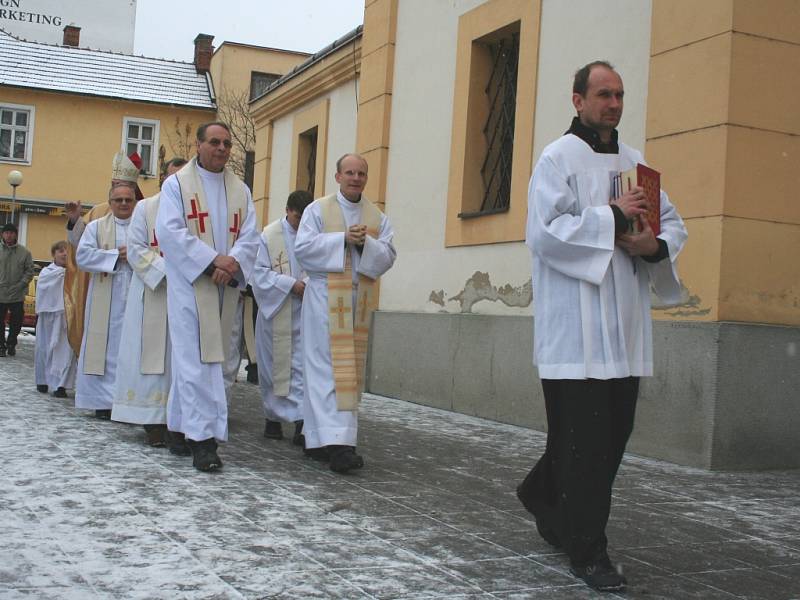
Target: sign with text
x,y
105,24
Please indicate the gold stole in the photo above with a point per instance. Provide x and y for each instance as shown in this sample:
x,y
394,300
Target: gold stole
x,y
94,363
349,328
282,321
154,312
214,347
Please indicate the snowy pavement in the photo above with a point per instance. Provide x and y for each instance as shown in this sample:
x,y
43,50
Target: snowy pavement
x,y
88,511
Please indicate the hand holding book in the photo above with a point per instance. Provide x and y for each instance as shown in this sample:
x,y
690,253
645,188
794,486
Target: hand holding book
x,y
641,187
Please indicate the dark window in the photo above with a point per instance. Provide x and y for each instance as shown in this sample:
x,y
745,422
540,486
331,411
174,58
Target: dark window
x,y
259,82
500,103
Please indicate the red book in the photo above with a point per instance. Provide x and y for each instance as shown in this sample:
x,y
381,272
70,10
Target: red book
x,y
650,181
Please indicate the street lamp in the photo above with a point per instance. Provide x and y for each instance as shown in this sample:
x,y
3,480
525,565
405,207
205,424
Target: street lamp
x,y
15,180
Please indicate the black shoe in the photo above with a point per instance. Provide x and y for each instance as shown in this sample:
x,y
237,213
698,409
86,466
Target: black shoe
x,y
320,454
273,430
547,534
104,414
41,388
2,351
177,444
601,576
344,459
60,393
298,439
156,435
252,373
204,455
12,350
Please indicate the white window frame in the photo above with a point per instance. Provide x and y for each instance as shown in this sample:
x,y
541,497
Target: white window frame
x,y
28,140
151,170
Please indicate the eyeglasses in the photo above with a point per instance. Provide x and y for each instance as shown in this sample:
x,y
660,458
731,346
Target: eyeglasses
x,y
215,142
125,200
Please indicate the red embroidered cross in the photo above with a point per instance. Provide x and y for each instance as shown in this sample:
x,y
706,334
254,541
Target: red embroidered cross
x,y
154,243
235,229
201,217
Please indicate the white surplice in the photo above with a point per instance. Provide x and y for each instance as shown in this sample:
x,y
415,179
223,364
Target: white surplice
x,y
54,360
97,391
320,253
140,398
591,298
197,404
272,289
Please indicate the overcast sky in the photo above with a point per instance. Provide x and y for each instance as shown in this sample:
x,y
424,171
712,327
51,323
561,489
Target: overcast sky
x,y
167,28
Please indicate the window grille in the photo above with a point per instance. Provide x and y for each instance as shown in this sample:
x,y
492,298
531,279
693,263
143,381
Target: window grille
x,y
259,82
498,130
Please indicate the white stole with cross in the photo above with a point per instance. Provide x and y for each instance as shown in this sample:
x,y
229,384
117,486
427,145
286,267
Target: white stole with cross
x,y
348,325
282,321
94,362
214,346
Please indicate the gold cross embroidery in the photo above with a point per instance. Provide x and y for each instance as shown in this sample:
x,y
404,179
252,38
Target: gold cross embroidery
x,y
340,310
364,306
279,262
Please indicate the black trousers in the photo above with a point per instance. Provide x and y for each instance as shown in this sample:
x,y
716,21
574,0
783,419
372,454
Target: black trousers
x,y
589,422
14,323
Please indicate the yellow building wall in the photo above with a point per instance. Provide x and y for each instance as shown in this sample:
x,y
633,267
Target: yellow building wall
x,y
721,130
232,64
74,142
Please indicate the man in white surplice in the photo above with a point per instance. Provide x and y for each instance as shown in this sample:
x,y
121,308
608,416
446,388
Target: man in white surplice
x,y
278,286
102,251
54,359
593,334
143,365
331,431
206,229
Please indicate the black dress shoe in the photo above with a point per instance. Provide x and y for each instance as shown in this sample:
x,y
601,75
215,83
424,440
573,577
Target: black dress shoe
x,y
204,455
41,388
344,459
298,439
177,444
156,435
12,351
601,575
60,393
104,414
273,430
320,454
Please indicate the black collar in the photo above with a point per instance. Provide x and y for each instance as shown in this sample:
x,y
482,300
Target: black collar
x,y
591,137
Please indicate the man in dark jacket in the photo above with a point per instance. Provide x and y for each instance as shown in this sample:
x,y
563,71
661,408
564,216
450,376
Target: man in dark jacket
x,y
16,272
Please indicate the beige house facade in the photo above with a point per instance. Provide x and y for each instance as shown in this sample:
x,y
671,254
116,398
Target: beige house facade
x,y
708,102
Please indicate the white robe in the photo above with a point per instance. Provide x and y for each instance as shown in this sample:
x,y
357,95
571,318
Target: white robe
x,y
140,398
591,298
54,360
272,290
318,254
97,391
197,404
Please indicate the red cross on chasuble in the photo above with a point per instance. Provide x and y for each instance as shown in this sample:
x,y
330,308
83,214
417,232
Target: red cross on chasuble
x,y
200,216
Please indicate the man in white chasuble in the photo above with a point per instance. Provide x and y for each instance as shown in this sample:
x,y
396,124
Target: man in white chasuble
x,y
592,340
344,244
206,228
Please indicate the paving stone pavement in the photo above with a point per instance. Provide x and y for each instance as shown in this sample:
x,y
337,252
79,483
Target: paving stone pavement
x,y
88,511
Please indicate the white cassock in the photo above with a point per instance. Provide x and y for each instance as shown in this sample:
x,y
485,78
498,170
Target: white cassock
x,y
140,398
54,359
272,289
97,391
318,254
197,404
591,298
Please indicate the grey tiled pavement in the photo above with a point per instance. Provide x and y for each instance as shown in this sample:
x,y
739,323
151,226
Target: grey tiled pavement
x,y
87,511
